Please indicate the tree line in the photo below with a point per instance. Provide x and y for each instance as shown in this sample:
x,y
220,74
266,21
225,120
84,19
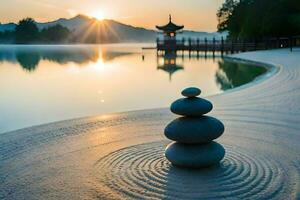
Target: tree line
x,y
257,19
27,32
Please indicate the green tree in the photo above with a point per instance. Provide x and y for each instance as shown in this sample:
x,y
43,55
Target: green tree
x,y
260,18
224,13
56,33
26,31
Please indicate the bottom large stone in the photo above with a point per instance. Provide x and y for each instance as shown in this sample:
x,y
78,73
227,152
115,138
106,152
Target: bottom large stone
x,y
194,156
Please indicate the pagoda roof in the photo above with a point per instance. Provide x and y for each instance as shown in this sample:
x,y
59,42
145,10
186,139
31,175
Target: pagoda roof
x,y
170,27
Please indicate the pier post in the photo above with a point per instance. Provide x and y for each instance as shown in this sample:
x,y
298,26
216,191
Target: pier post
x,y
232,46
190,47
182,45
244,46
214,46
157,47
265,44
291,43
222,45
198,47
205,45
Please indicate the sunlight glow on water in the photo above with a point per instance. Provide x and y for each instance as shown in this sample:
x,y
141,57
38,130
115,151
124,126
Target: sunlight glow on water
x,y
41,84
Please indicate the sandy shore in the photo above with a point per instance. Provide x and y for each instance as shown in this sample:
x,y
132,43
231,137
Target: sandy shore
x,y
121,156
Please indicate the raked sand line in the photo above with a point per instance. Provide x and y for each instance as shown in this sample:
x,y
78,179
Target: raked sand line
x,y
121,156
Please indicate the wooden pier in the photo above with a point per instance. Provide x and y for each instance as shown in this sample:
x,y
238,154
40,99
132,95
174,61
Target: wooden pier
x,y
223,46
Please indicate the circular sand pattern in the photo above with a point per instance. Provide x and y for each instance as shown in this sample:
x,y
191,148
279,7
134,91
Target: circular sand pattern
x,y
143,172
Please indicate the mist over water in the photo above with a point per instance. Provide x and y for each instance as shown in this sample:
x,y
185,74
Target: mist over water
x,y
42,84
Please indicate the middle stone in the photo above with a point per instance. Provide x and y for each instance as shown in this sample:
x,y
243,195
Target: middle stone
x,y
198,130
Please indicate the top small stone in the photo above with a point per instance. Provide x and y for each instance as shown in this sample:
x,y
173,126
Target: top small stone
x,y
191,92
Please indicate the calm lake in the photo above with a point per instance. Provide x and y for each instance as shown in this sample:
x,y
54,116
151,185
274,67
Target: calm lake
x,y
42,84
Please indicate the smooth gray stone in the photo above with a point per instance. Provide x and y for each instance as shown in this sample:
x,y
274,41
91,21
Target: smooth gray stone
x,y
193,107
194,156
193,130
191,92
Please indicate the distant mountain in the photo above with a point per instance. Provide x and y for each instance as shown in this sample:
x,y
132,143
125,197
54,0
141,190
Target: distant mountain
x,y
90,30
7,27
72,23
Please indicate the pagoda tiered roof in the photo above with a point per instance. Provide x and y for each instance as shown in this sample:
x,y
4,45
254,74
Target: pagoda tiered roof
x,y
170,27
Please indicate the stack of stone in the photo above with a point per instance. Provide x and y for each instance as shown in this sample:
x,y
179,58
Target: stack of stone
x,y
194,133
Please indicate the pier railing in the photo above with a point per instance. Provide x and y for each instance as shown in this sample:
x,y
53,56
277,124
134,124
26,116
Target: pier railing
x,y
227,46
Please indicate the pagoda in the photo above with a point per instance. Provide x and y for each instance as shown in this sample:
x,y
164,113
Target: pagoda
x,y
169,31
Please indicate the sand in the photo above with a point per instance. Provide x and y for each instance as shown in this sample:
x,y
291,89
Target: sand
x,y
120,156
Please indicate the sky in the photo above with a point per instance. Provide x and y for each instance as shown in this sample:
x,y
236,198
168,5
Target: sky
x,y
198,15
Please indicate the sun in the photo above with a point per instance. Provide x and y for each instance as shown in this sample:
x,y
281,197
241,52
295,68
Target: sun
x,y
99,15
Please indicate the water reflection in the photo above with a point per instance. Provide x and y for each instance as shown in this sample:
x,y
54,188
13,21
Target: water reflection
x,y
229,74
169,64
41,84
28,60
30,57
234,74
